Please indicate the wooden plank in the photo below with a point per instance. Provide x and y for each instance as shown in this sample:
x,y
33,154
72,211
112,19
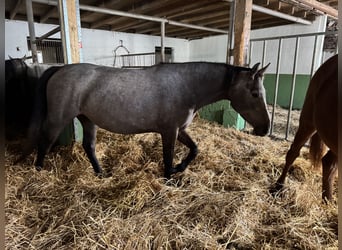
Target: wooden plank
x,y
242,28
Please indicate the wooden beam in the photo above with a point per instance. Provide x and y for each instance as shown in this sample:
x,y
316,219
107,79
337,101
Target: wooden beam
x,y
47,15
242,29
321,7
15,10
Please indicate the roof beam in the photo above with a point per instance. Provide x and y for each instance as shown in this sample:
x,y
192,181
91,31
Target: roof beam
x,y
330,11
44,18
15,10
279,14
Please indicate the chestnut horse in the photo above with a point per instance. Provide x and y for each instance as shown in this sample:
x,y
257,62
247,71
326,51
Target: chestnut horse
x,y
318,121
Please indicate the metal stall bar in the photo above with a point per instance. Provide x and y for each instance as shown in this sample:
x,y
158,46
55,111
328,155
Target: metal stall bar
x,y
162,38
264,53
293,85
230,46
48,34
29,12
275,97
250,52
313,57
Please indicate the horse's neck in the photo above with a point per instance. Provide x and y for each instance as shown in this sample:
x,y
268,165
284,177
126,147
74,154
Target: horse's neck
x,y
213,86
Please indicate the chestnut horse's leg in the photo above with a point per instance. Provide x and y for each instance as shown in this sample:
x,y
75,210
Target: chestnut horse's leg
x,y
302,135
89,141
329,171
184,138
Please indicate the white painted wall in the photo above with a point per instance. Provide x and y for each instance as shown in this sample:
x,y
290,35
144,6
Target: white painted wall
x,y
97,45
16,33
213,49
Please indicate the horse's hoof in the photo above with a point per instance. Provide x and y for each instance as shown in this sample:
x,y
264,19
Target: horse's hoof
x,y
276,189
180,167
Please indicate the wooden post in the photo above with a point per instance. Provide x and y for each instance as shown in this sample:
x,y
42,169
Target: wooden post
x,y
242,28
69,13
70,30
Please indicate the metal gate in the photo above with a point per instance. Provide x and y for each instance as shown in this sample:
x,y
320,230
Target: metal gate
x,y
276,51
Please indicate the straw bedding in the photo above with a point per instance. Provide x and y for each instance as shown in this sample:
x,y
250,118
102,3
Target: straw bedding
x,y
220,202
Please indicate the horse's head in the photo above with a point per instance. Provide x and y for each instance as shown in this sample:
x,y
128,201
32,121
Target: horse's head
x,y
248,98
15,69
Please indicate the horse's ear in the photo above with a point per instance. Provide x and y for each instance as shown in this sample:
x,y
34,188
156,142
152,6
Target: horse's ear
x,y
10,57
23,58
255,68
262,71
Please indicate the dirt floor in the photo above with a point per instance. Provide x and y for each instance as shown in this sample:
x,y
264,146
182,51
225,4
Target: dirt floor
x,y
221,201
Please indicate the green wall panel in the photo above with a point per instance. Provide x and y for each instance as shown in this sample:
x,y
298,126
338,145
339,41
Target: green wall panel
x,y
284,89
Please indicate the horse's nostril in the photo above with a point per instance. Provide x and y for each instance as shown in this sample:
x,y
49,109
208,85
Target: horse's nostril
x,y
261,131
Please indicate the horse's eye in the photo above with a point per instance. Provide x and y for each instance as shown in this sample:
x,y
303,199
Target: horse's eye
x,y
255,94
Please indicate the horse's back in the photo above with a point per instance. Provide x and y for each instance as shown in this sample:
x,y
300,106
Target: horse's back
x,y
123,101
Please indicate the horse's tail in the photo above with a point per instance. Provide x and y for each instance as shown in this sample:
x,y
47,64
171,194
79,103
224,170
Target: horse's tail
x,y
317,151
38,113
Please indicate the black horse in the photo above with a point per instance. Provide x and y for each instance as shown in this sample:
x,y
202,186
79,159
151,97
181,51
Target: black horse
x,y
161,99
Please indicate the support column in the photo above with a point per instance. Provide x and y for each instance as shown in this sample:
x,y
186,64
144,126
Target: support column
x,y
230,45
242,28
70,30
162,38
69,13
30,22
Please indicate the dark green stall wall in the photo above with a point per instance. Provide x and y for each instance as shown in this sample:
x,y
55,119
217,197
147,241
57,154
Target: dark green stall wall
x,y
223,113
284,89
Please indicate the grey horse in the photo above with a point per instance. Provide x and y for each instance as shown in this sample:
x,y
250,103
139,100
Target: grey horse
x,y
162,99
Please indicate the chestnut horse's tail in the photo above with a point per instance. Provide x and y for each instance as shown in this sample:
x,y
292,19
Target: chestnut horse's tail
x,y
317,151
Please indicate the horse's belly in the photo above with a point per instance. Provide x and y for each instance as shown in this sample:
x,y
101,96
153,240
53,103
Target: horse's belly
x,y
122,125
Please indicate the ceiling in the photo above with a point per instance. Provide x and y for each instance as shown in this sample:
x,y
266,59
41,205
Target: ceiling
x,y
208,13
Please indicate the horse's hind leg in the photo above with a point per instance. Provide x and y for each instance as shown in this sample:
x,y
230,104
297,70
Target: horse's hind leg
x,y
329,171
302,135
49,134
89,141
184,138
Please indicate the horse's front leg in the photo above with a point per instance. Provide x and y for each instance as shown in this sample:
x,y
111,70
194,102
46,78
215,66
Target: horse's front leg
x,y
169,139
184,138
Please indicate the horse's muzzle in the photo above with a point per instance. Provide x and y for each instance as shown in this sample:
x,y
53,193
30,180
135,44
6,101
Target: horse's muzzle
x,y
261,131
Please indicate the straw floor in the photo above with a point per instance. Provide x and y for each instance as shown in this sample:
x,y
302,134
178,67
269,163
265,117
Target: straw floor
x,y
220,202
